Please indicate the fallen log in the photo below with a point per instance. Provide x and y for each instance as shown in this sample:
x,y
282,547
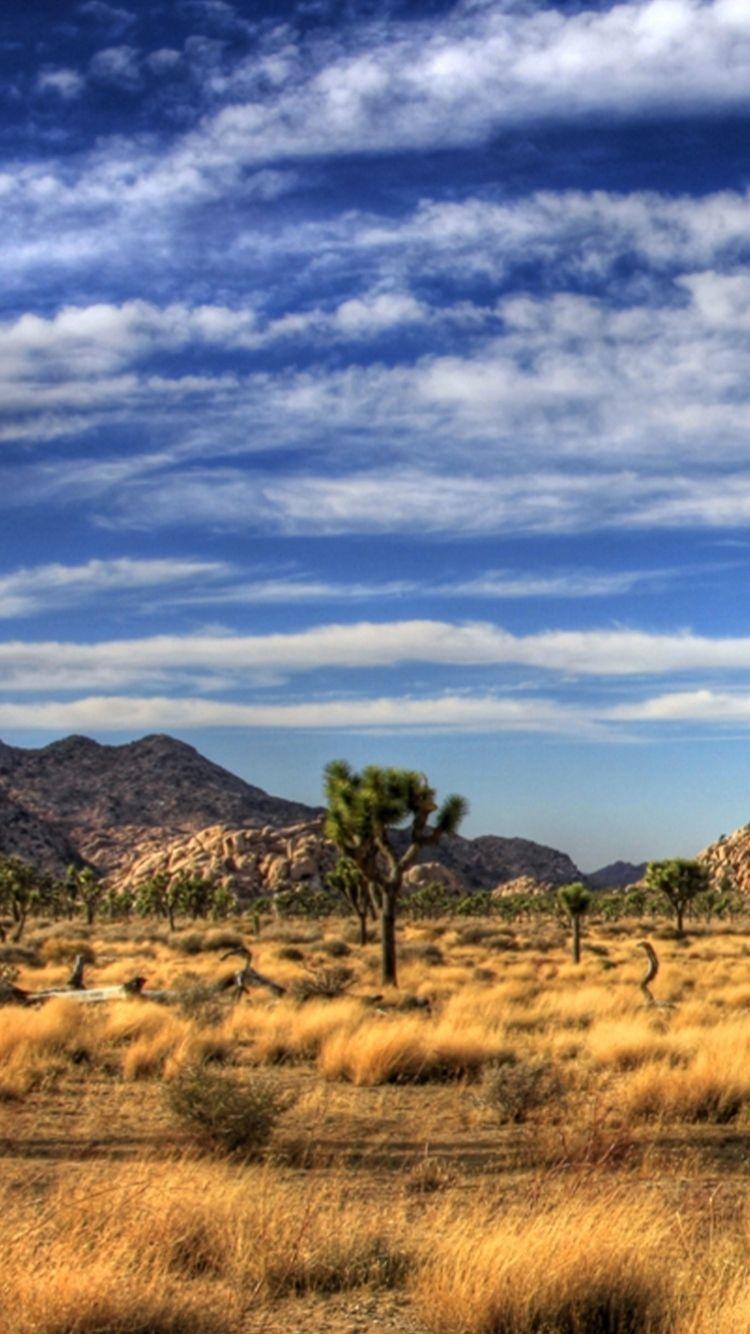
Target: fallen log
x,y
248,976
13,995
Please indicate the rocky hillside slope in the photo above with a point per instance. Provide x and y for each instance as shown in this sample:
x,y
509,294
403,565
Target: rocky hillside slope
x,y
128,810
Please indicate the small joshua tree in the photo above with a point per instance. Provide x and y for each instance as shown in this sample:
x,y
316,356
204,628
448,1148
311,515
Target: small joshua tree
x,y
347,880
576,900
680,880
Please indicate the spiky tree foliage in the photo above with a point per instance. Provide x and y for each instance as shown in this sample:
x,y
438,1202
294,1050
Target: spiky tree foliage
x,y
364,812
82,885
680,880
159,897
576,900
347,880
20,886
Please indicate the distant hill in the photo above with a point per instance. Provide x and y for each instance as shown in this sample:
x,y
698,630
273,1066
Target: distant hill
x,y
617,875
490,860
112,806
79,797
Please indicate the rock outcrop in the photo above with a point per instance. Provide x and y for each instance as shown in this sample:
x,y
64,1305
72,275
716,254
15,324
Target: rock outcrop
x,y
728,860
523,884
433,873
249,861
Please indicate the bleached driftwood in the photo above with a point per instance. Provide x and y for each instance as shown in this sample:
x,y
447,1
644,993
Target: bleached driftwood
x,y
245,978
10,994
248,977
650,974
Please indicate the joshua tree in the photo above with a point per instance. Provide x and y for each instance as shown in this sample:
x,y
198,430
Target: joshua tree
x,y
347,880
364,812
82,885
680,880
19,890
158,895
576,900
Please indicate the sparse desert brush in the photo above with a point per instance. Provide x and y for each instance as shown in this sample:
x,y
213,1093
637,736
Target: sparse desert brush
x,y
328,980
581,1266
407,1048
513,1089
194,1228
289,1032
225,1113
56,1029
63,949
625,1044
703,1090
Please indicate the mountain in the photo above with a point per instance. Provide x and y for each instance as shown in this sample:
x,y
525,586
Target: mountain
x,y
158,798
100,802
617,875
490,860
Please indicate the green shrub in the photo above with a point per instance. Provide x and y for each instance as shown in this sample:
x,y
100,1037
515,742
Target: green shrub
x,y
223,1113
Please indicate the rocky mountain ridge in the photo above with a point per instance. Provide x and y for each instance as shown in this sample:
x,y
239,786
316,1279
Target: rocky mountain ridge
x,y
130,809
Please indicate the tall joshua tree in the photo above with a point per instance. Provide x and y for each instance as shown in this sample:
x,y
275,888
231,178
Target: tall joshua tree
x,y
365,811
576,900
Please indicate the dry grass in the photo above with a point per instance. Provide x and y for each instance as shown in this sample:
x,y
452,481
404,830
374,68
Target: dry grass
x,y
578,1207
593,1266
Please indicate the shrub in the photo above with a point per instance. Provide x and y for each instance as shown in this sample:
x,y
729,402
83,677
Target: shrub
x,y
192,942
336,949
512,1089
63,949
317,982
291,954
223,1113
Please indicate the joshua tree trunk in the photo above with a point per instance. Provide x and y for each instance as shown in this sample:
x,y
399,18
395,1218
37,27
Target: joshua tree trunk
x,y
576,938
388,940
362,919
19,917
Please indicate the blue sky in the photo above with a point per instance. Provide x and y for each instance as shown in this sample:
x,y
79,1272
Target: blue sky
x,y
374,383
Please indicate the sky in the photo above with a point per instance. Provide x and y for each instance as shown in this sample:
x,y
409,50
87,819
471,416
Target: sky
x,y
375,383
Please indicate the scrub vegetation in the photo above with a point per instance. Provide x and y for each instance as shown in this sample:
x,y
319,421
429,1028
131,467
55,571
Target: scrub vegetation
x,y
508,1142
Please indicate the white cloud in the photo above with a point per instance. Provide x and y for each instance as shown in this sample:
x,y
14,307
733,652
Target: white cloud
x,y
26,591
227,658
118,65
446,712
458,79
65,83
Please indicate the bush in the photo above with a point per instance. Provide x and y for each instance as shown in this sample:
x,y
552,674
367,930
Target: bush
x,y
290,953
192,942
335,949
224,1114
512,1089
327,982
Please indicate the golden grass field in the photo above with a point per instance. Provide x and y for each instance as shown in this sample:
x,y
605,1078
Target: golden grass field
x,y
537,1152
